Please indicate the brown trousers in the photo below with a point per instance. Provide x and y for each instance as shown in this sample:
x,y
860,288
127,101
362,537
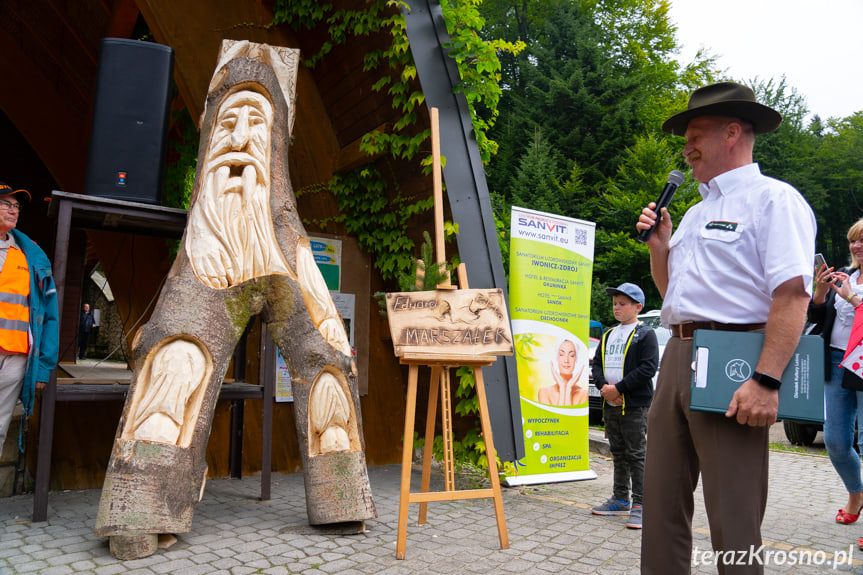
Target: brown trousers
x,y
732,460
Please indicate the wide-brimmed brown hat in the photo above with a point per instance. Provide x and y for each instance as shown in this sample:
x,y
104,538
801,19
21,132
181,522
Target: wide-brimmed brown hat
x,y
7,190
725,99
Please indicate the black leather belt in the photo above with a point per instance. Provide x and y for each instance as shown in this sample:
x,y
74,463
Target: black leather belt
x,y
686,329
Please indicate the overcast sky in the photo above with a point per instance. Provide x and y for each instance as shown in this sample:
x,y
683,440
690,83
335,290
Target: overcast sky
x,y
817,44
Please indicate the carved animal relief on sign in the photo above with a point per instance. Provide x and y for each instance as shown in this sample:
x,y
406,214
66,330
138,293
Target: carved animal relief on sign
x,y
460,322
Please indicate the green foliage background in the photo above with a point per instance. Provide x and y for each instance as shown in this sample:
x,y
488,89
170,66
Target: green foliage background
x,y
579,130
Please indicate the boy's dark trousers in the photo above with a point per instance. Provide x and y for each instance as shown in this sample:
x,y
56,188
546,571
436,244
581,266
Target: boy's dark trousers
x,y
626,427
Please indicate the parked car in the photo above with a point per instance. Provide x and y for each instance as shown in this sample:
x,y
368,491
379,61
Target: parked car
x,y
595,334
801,432
663,334
594,400
804,432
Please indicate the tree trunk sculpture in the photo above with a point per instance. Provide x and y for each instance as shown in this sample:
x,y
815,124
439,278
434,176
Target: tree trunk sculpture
x,y
245,252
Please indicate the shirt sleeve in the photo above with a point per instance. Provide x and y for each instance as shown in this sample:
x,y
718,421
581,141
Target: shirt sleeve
x,y
787,238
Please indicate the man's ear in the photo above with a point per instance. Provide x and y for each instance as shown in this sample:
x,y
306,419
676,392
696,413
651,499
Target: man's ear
x,y
733,131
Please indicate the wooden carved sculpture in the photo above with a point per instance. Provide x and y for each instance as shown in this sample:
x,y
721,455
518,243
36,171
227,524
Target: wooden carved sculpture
x,y
245,252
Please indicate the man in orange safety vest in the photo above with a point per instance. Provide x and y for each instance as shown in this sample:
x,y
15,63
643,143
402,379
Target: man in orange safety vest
x,y
28,312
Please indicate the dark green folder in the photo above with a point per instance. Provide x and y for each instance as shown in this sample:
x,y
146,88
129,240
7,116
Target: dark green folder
x,y
723,360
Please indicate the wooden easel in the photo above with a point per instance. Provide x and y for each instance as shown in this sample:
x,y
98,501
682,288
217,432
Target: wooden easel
x,y
440,364
440,383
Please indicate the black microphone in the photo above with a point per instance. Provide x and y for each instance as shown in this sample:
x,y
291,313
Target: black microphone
x,y
675,178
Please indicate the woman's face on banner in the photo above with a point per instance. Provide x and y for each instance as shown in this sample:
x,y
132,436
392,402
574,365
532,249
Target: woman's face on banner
x,y
566,357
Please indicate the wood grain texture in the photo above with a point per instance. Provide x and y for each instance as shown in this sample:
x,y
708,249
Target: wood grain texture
x,y
468,322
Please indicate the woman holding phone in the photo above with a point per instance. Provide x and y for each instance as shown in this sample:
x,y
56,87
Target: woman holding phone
x,y
837,295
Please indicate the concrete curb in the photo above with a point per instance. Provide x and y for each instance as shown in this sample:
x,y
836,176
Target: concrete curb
x,y
598,442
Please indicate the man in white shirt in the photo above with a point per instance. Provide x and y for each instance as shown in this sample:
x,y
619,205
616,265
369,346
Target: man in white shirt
x,y
740,260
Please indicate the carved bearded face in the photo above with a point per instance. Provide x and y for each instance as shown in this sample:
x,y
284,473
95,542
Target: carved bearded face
x,y
239,151
231,237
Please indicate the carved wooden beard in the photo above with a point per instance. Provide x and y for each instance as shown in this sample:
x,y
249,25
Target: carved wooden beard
x,y
230,232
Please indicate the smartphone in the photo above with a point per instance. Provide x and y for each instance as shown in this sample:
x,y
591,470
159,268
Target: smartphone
x,y
821,262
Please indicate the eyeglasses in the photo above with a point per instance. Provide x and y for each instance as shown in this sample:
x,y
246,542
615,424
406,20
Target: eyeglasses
x,y
10,207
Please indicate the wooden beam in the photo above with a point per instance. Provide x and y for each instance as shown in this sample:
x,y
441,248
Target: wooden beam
x,y
86,47
123,17
195,29
351,156
468,196
68,80
44,117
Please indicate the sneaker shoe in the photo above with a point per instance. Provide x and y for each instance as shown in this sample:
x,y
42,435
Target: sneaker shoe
x,y
612,507
635,517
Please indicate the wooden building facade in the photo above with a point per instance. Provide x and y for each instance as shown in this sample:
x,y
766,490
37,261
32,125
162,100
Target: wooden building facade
x,y
51,54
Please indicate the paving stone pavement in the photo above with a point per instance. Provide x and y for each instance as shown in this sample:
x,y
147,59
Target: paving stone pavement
x,y
550,528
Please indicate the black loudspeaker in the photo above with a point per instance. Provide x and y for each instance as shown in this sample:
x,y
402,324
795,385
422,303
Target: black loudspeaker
x,y
131,108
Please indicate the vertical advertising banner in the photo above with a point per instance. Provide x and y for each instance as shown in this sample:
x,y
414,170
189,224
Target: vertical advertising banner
x,y
550,270
328,255
284,388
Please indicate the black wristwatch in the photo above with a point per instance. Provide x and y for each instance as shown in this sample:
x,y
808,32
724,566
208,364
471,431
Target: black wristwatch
x,y
766,380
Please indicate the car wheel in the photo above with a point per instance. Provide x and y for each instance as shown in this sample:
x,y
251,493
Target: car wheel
x,y
800,433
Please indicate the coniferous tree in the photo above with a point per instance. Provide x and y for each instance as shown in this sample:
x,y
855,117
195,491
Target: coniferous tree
x,y
536,184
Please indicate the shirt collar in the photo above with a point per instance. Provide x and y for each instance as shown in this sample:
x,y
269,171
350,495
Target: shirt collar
x,y
727,182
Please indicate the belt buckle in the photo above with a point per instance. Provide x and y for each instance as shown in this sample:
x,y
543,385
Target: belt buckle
x,y
682,327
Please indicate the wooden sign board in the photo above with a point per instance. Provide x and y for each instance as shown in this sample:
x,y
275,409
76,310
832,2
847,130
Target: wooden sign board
x,y
466,322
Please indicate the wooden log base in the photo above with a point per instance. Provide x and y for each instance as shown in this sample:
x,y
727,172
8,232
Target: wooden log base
x,y
337,489
130,546
149,488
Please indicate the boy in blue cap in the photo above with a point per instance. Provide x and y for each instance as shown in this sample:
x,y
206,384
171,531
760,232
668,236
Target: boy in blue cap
x,y
623,369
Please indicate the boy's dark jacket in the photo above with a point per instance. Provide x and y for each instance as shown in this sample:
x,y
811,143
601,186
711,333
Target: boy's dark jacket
x,y
639,366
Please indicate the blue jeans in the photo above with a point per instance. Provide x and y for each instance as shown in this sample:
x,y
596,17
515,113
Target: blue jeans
x,y
843,409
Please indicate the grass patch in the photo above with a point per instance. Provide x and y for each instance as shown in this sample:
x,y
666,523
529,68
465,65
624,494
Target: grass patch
x,y
779,446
